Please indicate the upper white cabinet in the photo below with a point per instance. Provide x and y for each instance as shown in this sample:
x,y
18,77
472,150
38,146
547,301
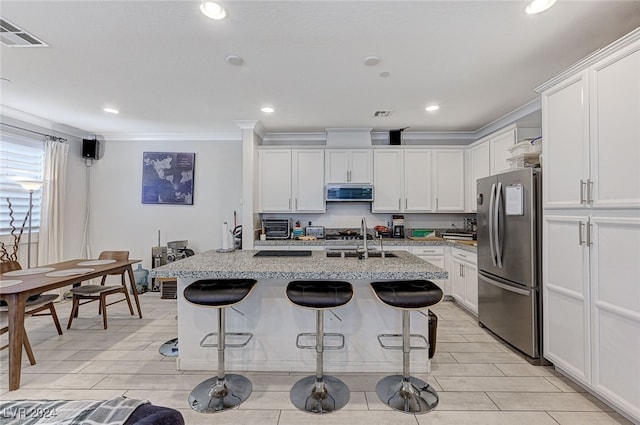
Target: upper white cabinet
x,y
388,181
500,144
291,180
349,166
591,134
418,180
448,178
478,166
418,190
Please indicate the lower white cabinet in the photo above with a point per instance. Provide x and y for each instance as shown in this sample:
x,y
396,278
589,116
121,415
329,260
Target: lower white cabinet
x,y
591,294
463,276
435,255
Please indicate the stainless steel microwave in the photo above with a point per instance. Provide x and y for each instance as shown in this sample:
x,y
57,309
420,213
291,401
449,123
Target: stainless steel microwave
x,y
349,192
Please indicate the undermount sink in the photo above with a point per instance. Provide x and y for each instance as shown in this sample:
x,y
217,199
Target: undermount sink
x,y
354,254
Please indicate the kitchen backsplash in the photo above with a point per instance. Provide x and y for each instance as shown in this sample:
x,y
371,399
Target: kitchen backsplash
x,y
348,215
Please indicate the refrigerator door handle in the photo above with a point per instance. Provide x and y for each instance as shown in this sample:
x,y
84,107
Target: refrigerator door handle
x,y
492,200
496,226
507,287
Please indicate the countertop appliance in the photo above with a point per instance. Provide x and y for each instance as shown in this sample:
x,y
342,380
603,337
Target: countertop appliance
x,y
397,223
277,228
317,231
349,192
509,259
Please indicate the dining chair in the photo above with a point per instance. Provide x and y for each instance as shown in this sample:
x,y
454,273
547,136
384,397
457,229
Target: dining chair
x,y
35,306
91,293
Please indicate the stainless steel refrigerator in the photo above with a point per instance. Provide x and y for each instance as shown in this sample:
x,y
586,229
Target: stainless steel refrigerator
x,y
509,258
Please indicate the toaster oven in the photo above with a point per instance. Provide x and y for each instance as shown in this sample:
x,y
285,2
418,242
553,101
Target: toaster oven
x,y
277,228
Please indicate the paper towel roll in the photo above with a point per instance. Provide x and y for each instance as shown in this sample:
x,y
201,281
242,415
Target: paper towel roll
x,y
225,236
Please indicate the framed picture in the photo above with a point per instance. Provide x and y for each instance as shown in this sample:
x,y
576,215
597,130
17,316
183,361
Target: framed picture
x,y
167,178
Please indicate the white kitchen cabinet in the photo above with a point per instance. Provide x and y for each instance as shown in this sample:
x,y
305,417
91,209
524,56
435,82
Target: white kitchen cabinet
x,y
291,180
478,166
591,133
591,317
591,223
500,144
308,180
464,278
349,166
418,180
566,336
448,180
615,309
436,256
388,181
275,180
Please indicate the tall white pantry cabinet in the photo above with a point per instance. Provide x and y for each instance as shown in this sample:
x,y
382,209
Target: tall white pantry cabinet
x,y
591,223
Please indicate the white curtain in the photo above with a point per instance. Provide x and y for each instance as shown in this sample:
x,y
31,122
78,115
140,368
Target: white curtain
x,y
50,240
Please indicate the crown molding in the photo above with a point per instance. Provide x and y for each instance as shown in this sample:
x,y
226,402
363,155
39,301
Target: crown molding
x,y
8,114
173,137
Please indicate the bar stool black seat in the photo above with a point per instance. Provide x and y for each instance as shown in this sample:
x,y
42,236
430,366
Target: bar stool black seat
x,y
225,391
320,393
404,392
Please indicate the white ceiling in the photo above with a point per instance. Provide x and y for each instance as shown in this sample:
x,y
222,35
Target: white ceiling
x,y
162,63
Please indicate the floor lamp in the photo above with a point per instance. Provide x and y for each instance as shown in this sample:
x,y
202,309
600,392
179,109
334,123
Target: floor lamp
x,y
31,186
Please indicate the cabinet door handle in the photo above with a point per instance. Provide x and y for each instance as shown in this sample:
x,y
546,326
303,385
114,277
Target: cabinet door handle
x,y
580,226
589,191
406,203
588,228
436,203
463,270
399,204
582,187
289,203
349,175
296,203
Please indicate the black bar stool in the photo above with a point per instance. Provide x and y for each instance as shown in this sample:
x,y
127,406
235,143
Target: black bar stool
x,y
404,392
224,391
320,393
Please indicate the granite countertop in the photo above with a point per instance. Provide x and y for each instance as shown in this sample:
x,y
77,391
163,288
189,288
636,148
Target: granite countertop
x,y
242,264
388,243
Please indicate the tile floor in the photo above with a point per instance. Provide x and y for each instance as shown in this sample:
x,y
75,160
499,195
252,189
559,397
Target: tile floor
x,y
480,381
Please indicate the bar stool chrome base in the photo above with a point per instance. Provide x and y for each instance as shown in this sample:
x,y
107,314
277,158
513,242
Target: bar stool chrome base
x,y
319,396
414,396
169,348
217,395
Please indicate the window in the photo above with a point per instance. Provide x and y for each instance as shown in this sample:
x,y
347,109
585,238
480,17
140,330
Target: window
x,y
21,158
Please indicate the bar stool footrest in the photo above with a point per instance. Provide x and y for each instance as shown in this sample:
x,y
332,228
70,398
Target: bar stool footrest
x,y
381,337
247,337
338,346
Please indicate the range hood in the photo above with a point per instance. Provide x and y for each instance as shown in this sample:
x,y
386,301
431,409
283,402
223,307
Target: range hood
x,y
349,137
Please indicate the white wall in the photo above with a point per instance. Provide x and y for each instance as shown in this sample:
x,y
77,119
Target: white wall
x,y
119,220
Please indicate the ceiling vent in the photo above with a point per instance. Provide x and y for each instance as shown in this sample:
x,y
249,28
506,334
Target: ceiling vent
x,y
13,36
381,114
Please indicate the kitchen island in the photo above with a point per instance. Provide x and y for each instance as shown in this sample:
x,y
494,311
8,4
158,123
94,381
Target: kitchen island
x,y
275,322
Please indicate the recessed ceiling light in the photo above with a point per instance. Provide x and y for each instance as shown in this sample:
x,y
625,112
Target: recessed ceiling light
x,y
267,109
432,108
113,111
384,74
213,10
234,60
371,60
537,6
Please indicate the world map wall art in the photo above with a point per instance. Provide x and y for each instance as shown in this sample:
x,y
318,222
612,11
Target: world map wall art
x,y
167,178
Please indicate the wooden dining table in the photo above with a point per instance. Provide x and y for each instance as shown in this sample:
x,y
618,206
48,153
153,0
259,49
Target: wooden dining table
x,y
16,288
